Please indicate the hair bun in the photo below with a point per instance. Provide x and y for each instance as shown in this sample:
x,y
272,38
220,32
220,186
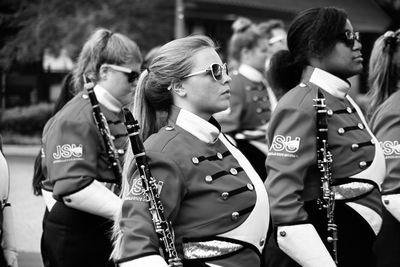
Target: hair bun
x,y
241,24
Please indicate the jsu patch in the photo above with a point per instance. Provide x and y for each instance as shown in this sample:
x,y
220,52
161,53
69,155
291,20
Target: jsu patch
x,y
391,149
68,152
137,191
284,146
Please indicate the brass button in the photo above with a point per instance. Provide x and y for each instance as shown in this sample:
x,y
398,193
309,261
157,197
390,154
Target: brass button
x,y
349,110
265,98
208,179
282,233
195,161
340,131
386,201
250,187
330,112
259,110
362,164
354,147
361,126
225,195
255,98
233,171
121,151
373,141
262,242
302,85
219,156
85,96
235,216
247,88
169,128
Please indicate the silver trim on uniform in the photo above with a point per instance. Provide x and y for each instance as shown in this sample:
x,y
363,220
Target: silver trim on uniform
x,y
351,190
208,249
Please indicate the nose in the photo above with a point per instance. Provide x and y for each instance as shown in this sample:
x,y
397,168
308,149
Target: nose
x,y
357,45
226,79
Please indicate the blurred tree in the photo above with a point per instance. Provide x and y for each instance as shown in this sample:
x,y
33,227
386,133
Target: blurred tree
x,y
31,26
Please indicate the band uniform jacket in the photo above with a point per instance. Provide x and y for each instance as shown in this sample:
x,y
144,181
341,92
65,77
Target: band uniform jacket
x,y
293,176
216,201
73,151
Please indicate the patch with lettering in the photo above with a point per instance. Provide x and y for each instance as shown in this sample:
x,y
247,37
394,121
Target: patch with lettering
x,y
284,146
391,149
68,152
137,191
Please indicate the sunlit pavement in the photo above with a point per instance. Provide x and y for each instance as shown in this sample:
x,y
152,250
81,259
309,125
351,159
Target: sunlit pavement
x,y
27,209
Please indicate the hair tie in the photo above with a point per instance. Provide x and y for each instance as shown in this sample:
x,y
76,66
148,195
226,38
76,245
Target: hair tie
x,y
391,39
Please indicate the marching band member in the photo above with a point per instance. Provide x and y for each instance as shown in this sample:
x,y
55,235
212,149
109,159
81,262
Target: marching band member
x,y
252,100
384,83
324,51
215,200
75,160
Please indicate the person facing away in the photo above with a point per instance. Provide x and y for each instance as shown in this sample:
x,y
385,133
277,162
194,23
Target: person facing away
x,y
214,198
252,101
75,162
323,52
384,96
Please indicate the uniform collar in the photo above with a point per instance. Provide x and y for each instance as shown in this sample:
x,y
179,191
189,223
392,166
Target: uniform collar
x,y
330,83
107,100
206,131
251,73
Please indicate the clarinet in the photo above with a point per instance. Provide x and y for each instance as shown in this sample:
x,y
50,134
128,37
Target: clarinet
x,y
163,227
324,158
102,126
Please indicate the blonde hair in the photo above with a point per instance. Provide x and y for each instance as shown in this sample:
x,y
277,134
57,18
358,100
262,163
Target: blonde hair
x,y
104,46
153,100
245,35
384,69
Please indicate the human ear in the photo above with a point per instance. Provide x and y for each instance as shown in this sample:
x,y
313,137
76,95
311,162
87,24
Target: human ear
x,y
178,88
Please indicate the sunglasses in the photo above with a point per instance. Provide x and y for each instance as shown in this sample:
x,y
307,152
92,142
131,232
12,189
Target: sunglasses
x,y
215,69
349,38
130,74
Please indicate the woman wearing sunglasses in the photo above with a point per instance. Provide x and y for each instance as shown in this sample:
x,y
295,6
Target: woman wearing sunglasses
x,y
252,101
215,200
384,84
77,189
318,137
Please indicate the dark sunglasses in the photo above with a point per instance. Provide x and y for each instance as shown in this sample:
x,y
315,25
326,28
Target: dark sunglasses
x,y
349,38
130,74
215,69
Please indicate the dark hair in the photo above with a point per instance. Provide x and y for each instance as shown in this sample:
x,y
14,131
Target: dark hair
x,y
312,33
104,46
384,69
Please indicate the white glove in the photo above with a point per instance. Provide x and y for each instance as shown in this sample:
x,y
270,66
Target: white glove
x,y
152,260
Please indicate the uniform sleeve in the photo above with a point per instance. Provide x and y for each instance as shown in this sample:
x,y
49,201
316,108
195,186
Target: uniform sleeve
x,y
139,238
292,151
387,130
230,118
71,154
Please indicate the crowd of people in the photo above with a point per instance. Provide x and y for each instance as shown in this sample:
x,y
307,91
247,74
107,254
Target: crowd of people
x,y
265,160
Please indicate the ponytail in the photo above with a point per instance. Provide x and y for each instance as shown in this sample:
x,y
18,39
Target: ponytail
x,y
284,72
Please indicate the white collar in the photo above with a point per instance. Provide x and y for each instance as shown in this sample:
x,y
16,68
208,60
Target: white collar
x,y
197,126
330,83
107,100
251,73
